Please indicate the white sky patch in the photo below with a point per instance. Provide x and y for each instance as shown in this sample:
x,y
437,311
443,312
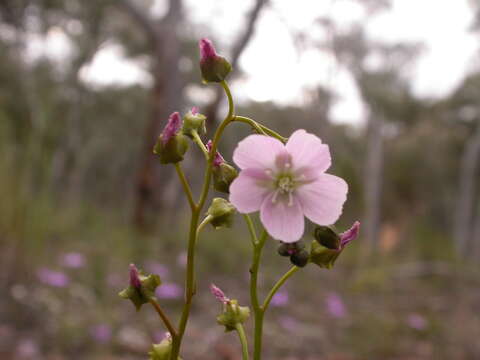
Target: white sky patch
x,y
109,66
275,70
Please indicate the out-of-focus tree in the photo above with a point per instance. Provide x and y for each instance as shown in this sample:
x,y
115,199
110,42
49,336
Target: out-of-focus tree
x,y
164,40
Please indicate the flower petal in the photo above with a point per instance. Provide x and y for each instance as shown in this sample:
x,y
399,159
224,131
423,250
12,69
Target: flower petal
x,y
282,221
322,200
248,190
257,151
307,150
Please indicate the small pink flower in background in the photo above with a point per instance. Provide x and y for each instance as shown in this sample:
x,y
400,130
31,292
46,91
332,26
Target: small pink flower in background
x,y
218,160
194,110
219,294
101,333
336,306
289,323
157,269
286,183
416,321
172,128
182,259
73,260
169,291
135,277
27,349
53,278
281,298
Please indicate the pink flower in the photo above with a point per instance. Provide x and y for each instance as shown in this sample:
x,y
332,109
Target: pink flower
x,y
335,306
169,291
172,128
218,160
286,183
416,321
207,51
53,278
73,260
280,299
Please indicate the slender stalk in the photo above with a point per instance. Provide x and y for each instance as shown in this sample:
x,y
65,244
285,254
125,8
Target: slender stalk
x,y
251,229
164,317
185,185
278,285
196,211
262,129
243,341
199,142
257,310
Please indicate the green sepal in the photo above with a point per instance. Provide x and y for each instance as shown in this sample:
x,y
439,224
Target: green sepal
x,y
323,256
173,151
146,292
215,69
232,315
222,213
161,351
223,176
193,122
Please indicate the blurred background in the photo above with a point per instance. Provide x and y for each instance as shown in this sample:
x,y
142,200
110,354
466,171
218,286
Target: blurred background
x,y
86,87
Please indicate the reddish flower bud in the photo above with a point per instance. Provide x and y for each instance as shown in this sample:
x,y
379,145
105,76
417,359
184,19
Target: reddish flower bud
x,y
214,68
218,160
172,128
135,277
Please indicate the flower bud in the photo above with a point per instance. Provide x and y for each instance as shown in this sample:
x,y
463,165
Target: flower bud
x,y
328,245
223,173
141,288
222,213
300,258
288,249
194,121
172,144
214,68
162,351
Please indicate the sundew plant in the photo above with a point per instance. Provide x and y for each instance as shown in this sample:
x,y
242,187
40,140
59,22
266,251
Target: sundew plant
x,y
284,179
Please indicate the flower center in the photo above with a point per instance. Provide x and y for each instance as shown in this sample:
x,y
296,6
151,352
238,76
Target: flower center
x,y
284,186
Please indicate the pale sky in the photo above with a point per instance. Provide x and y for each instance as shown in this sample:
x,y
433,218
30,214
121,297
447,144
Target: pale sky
x,y
277,71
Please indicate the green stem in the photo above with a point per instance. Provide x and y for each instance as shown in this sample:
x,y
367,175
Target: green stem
x,y
196,211
164,317
278,285
243,340
257,310
199,142
185,185
262,129
251,229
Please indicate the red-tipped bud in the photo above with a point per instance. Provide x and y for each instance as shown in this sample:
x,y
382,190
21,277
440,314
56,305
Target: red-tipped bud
x,y
218,159
214,68
172,144
135,277
350,234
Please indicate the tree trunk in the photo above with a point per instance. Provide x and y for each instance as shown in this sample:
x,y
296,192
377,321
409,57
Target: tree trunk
x,y
466,194
373,180
152,179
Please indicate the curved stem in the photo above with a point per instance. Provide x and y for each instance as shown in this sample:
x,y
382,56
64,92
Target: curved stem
x,y
164,317
243,340
199,142
196,210
278,285
185,185
262,129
